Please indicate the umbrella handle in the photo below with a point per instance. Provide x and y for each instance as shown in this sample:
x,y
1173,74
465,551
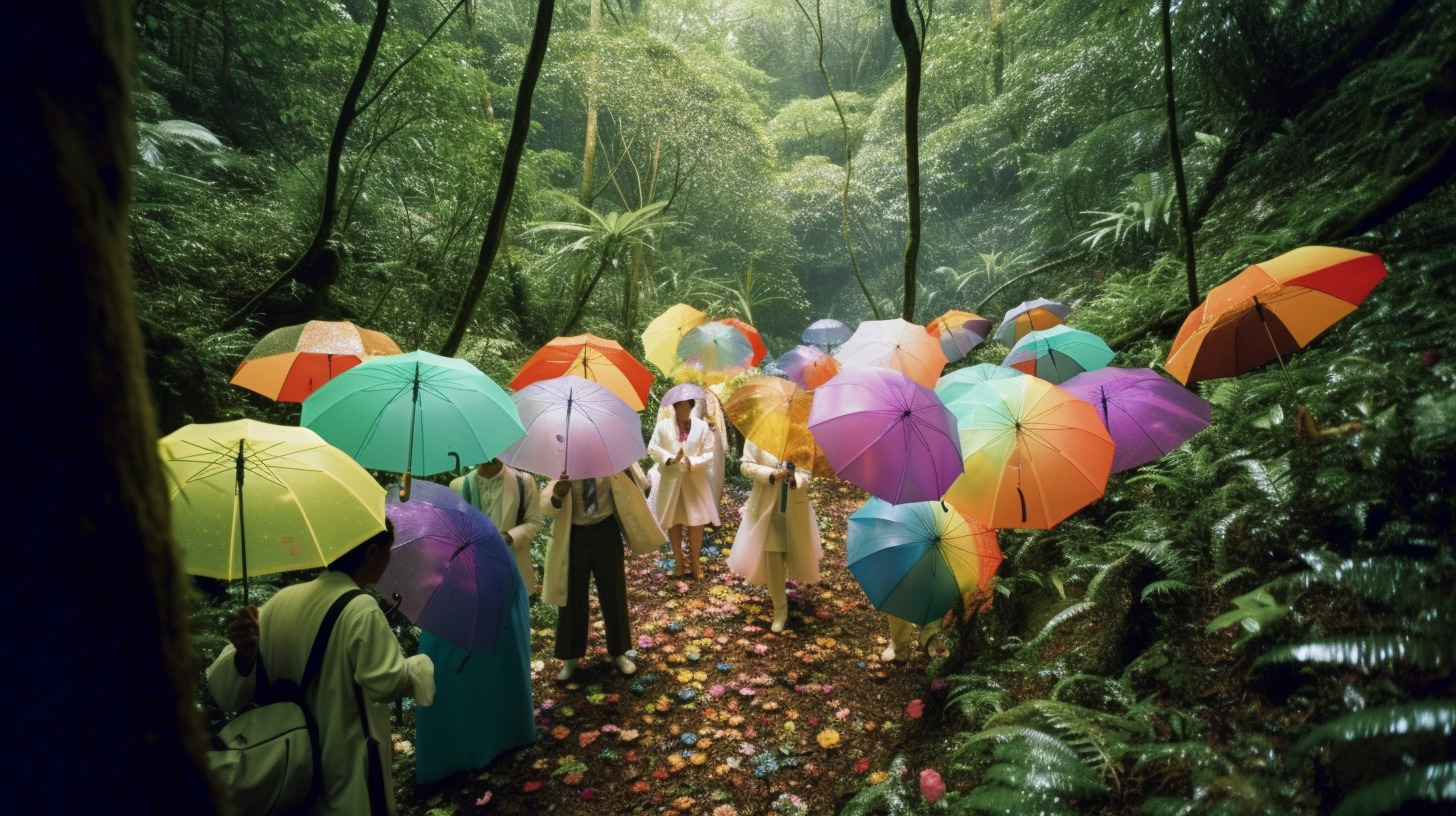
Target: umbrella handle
x,y
404,487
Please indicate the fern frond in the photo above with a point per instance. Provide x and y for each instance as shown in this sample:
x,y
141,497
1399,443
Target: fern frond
x,y
1255,612
1057,620
1165,587
1430,783
1421,717
1231,576
1396,582
1366,652
1192,755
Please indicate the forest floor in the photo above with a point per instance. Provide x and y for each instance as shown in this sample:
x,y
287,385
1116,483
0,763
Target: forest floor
x,y
723,717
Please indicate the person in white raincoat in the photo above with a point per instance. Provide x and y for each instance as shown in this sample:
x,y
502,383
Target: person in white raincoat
x,y
682,446
779,536
513,501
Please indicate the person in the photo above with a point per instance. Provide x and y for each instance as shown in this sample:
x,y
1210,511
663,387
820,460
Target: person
x,y
587,546
513,501
902,640
779,536
682,446
362,652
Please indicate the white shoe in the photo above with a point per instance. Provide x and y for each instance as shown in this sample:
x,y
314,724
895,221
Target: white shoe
x,y
778,624
888,655
568,668
625,665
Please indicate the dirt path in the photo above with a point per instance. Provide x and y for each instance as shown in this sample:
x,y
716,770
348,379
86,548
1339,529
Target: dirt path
x,y
723,717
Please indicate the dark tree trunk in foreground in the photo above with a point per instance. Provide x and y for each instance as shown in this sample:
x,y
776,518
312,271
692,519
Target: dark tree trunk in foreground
x,y
101,663
910,43
1180,183
510,165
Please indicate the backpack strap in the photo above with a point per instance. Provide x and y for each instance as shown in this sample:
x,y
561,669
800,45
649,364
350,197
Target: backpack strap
x,y
311,670
520,498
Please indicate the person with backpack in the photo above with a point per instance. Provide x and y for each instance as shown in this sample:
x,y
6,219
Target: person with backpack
x,y
513,501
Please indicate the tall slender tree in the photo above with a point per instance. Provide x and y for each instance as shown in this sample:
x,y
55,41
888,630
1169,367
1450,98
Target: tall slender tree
x,y
1179,181
912,42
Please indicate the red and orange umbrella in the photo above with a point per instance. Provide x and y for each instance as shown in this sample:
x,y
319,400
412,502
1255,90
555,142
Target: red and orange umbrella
x,y
959,332
755,339
1271,309
291,363
592,358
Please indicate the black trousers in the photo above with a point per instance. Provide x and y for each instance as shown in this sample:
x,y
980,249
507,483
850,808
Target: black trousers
x,y
595,554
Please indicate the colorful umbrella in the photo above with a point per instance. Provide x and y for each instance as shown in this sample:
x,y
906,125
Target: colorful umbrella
x,y
1031,315
1058,354
680,392
1147,415
959,332
1034,454
412,413
895,344
290,363
886,434
755,339
252,498
713,352
914,560
1271,309
574,427
953,385
809,366
450,571
591,358
773,413
662,335
771,367
827,333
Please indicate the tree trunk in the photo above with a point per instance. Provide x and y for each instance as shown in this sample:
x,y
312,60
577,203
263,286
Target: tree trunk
x,y
510,166
580,305
589,149
910,43
108,722
1181,184
998,51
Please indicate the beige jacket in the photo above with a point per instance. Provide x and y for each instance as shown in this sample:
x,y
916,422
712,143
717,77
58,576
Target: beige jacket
x,y
638,525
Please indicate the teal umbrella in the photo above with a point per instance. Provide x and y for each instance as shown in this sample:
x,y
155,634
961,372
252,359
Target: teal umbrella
x,y
1058,354
958,382
414,413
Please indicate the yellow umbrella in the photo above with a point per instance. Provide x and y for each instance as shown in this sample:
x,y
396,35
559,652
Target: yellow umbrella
x,y
773,413
660,338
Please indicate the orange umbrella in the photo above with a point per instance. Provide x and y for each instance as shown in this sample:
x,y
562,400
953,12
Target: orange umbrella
x,y
959,332
809,366
755,339
592,358
1271,309
1029,316
662,335
896,344
1034,454
773,413
290,363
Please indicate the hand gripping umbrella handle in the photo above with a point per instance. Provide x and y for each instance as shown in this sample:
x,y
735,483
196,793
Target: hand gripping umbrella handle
x,y
784,491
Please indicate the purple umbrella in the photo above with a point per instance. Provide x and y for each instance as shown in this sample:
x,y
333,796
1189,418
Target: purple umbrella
x,y
450,569
680,392
808,366
827,333
1146,414
887,434
574,426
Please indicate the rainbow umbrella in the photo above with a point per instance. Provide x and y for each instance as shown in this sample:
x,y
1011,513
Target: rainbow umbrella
x,y
827,334
1058,354
1146,414
1029,316
291,363
959,332
808,366
713,352
915,560
894,344
661,337
755,339
591,358
951,386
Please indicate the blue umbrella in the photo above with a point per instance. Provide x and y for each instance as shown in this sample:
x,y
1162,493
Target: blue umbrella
x,y
827,334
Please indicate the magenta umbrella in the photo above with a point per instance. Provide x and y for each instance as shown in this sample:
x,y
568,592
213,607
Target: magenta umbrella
x,y
808,366
574,426
1146,414
887,434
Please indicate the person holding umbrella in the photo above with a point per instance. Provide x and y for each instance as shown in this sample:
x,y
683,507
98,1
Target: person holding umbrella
x,y
779,536
513,501
682,445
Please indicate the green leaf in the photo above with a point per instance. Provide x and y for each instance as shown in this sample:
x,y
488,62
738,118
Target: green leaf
x,y
1430,783
1365,652
1423,717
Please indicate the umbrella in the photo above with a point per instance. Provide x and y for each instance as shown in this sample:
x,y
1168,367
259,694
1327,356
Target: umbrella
x,y
450,571
414,413
808,366
680,392
1271,309
1146,414
662,335
896,344
914,560
959,332
1034,454
773,413
755,339
591,358
827,333
1058,354
574,427
252,498
714,350
958,382
290,363
1031,316
885,433
771,366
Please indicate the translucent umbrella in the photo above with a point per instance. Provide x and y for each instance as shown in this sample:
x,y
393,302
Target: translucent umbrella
x,y
959,332
808,366
1058,354
894,344
1030,316
773,413
1146,414
958,382
574,427
291,363
591,358
662,335
713,351
755,339
827,333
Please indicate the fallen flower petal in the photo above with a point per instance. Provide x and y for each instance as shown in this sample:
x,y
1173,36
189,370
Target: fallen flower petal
x,y
932,787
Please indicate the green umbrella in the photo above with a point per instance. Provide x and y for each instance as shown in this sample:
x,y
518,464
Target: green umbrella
x,y
249,497
1058,354
414,413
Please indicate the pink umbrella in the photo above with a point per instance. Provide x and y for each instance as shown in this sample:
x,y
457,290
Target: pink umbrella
x,y
887,434
574,426
1147,414
808,366
896,344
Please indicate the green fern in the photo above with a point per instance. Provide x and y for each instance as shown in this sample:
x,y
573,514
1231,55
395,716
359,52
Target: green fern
x,y
1430,783
1035,772
1256,611
1365,652
1436,717
890,798
1071,612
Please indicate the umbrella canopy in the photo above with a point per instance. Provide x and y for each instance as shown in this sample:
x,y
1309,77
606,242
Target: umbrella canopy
x,y
827,334
914,560
291,363
958,382
591,358
1029,316
887,434
1271,309
450,569
713,351
773,413
252,498
662,335
895,344
680,392
1034,454
1058,354
1147,415
771,367
959,332
574,427
755,339
808,366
